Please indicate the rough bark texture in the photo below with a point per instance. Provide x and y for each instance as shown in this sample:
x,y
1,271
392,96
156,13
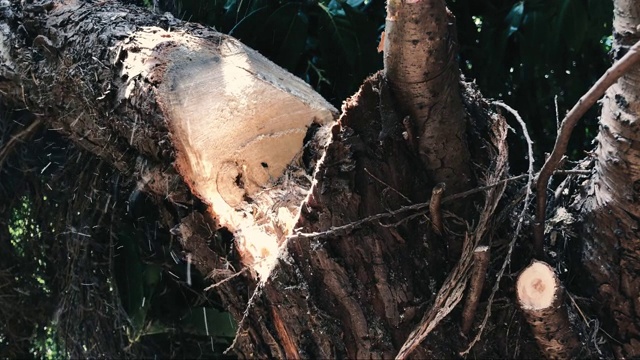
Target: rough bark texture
x,y
362,285
155,86
420,52
353,295
476,283
611,250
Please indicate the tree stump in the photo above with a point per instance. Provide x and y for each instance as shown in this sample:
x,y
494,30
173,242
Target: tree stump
x,y
539,294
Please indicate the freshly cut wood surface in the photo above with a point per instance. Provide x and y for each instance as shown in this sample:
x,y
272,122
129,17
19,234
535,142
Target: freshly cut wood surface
x,y
537,286
237,123
540,295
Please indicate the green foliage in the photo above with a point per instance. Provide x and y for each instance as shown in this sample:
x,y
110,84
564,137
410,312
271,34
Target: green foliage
x,y
152,294
209,322
529,52
22,227
525,53
46,346
26,243
24,232
136,285
331,44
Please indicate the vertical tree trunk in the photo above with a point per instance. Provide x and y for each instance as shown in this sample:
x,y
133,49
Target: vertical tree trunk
x,y
612,212
420,62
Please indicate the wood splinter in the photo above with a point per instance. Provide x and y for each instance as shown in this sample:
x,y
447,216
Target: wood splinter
x,y
480,265
540,297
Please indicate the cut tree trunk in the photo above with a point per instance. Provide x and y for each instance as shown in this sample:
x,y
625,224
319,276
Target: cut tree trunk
x,y
231,122
540,296
209,126
191,111
611,251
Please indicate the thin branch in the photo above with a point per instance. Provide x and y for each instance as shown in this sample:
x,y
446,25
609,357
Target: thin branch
x,y
572,172
464,194
568,123
226,279
434,208
479,272
415,207
523,125
387,185
257,292
4,152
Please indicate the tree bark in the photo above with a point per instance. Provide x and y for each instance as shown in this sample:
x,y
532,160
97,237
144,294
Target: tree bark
x,y
476,283
611,251
159,107
420,50
229,142
129,94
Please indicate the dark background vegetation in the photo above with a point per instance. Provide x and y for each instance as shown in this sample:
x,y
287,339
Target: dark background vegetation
x,y
72,284
529,54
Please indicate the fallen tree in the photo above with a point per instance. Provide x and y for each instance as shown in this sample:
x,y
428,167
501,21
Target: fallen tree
x,y
323,235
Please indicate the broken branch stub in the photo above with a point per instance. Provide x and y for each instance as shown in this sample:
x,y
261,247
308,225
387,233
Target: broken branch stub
x,y
237,123
539,295
476,283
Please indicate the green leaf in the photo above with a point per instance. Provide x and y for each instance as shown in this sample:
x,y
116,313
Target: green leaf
x,y
237,10
136,283
355,3
248,29
573,23
209,322
347,39
514,18
288,26
337,36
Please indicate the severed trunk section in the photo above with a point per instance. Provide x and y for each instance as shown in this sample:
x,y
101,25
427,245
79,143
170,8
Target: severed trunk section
x,y
420,64
611,250
196,112
231,123
238,123
540,295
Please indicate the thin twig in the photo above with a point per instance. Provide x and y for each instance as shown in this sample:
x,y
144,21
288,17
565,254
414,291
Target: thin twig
x,y
387,185
575,305
572,172
464,194
566,128
434,208
404,220
399,194
420,206
478,274
257,292
523,125
226,279
4,152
